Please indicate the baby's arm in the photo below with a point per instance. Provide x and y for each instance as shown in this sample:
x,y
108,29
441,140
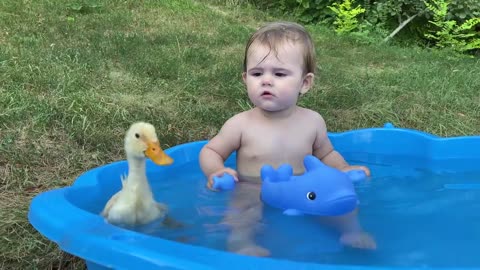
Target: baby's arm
x,y
217,150
323,150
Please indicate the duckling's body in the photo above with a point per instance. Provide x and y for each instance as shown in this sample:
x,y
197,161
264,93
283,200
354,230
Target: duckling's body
x,y
134,203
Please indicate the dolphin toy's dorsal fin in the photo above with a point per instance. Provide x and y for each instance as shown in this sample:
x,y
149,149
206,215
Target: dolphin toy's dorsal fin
x,y
267,173
283,173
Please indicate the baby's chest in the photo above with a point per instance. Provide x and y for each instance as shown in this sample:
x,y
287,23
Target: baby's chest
x,y
262,142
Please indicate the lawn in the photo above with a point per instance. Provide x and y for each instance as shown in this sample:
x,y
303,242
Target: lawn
x,y
75,74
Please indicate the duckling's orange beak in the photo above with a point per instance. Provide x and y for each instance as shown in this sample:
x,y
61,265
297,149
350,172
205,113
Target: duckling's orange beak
x,y
156,154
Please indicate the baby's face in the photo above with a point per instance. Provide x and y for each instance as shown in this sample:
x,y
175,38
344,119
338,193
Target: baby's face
x,y
274,82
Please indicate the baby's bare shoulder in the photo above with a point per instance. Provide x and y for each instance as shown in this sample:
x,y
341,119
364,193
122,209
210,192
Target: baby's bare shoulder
x,y
237,118
236,124
311,115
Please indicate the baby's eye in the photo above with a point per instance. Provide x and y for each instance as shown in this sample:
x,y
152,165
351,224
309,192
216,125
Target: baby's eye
x,y
280,74
256,74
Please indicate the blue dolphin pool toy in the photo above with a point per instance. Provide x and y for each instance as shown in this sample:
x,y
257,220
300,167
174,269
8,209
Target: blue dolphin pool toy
x,y
321,190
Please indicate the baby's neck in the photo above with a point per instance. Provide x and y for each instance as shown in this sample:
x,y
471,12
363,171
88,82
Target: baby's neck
x,y
278,115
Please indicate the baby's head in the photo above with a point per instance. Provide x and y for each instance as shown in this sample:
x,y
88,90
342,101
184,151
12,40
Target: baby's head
x,y
274,35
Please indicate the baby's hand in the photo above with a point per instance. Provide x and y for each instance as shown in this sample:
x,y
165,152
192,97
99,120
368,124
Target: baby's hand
x,y
219,173
357,167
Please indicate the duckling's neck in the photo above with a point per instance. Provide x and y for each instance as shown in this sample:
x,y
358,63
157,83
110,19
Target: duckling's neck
x,y
137,167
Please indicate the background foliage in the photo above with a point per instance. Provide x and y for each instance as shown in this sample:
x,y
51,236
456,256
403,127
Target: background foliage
x,y
380,16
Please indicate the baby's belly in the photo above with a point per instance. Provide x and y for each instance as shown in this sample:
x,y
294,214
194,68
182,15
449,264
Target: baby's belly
x,y
253,179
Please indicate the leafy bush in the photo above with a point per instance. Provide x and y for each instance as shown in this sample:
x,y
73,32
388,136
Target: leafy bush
x,y
314,11
462,10
346,16
447,33
416,21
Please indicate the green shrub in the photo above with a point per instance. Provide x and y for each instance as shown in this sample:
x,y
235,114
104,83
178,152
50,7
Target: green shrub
x,y
448,33
381,16
346,16
462,10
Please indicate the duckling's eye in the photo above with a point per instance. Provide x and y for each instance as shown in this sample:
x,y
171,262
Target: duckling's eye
x,y
137,135
311,195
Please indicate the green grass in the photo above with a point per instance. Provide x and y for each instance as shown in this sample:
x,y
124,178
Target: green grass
x,y
75,75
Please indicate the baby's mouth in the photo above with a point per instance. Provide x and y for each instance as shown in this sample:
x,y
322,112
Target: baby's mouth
x,y
266,94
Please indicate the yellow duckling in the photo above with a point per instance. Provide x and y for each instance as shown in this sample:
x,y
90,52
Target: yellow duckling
x,y
134,203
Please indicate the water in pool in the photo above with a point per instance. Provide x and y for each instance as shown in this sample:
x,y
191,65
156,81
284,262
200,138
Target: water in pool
x,y
414,219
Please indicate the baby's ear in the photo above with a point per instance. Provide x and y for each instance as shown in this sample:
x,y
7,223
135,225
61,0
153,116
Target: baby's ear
x,y
244,77
307,83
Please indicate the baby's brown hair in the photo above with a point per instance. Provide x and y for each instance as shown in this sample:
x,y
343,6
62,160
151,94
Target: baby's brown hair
x,y
275,33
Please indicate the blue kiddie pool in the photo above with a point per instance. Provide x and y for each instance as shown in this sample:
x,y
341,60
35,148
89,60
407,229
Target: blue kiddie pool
x,y
422,206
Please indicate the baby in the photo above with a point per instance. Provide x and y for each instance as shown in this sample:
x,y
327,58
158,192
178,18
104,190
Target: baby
x,y
279,66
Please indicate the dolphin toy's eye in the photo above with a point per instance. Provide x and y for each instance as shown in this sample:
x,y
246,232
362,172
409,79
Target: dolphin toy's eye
x,y
311,195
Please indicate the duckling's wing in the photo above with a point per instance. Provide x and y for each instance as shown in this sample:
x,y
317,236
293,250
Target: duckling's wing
x,y
109,205
123,178
114,198
122,210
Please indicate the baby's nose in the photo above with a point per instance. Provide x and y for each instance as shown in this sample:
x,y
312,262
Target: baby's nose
x,y
266,80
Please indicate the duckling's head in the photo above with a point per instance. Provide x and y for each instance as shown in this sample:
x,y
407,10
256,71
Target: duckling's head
x,y
141,141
